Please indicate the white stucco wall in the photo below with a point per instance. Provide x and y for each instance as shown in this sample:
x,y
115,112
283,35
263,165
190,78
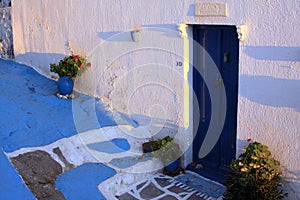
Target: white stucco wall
x,y
269,69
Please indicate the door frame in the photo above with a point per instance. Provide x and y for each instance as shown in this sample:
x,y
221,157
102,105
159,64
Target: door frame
x,y
218,177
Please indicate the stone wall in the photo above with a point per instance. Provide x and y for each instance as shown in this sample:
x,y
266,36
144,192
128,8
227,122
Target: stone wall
x,y
5,3
6,37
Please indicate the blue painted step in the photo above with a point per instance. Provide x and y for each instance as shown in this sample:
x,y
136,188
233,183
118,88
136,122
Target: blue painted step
x,y
82,182
117,145
128,161
31,115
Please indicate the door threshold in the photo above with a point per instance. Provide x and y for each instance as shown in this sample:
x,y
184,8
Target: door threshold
x,y
212,174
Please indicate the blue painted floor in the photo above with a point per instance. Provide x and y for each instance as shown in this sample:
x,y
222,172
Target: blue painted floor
x,y
117,145
82,182
31,115
128,161
11,185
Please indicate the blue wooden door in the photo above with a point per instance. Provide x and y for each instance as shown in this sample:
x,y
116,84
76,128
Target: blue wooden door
x,y
221,43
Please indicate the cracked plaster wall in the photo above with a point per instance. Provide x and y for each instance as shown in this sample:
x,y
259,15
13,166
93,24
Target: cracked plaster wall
x,y
151,86
269,74
6,37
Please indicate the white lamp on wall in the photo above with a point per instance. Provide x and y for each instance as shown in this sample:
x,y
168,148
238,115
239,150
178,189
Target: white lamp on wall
x,y
241,32
182,30
135,35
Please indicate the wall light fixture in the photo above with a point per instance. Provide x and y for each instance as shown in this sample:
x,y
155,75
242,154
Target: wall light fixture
x,y
241,32
136,35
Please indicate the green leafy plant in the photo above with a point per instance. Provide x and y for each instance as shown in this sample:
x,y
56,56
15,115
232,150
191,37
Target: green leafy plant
x,y
255,175
72,66
167,150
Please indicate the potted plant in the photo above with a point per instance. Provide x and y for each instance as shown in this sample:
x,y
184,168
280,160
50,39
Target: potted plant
x,y
168,152
255,175
149,147
67,69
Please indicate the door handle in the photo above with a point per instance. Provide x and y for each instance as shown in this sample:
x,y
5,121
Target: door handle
x,y
226,57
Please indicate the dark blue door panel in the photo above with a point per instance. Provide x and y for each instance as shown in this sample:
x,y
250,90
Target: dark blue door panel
x,y
221,43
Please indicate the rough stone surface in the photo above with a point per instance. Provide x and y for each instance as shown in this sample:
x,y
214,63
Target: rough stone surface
x,y
168,197
150,192
126,197
163,188
39,171
162,182
5,3
6,37
68,166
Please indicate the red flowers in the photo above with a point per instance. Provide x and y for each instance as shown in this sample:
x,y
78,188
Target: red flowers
x,y
76,56
72,66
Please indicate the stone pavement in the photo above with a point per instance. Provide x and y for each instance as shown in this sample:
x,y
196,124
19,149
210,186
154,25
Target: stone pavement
x,y
45,154
161,187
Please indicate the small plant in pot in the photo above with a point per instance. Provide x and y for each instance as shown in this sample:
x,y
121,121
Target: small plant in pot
x,y
67,69
149,147
168,152
255,175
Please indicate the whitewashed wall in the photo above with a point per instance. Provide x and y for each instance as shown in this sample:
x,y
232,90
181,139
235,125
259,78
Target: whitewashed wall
x,y
269,76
